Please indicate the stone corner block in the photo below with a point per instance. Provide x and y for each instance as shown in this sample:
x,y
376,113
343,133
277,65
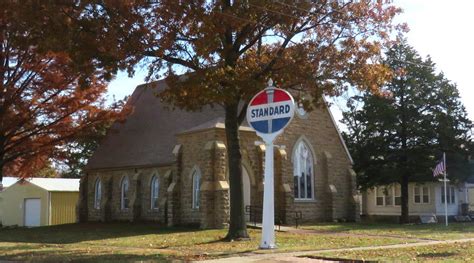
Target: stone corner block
x,y
177,149
217,144
261,148
167,174
282,153
171,187
222,185
285,188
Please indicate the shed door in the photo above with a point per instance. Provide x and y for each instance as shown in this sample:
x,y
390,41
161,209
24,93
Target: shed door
x,y
32,212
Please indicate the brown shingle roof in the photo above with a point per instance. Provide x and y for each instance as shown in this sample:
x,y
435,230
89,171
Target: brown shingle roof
x,y
218,122
147,137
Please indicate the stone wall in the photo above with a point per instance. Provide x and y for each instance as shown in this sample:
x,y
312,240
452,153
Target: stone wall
x,y
331,185
139,195
205,151
195,158
334,185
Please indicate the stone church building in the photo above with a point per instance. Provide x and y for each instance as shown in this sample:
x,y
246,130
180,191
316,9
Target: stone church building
x,y
170,166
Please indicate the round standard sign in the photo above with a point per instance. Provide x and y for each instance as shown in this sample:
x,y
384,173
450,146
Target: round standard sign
x,y
270,111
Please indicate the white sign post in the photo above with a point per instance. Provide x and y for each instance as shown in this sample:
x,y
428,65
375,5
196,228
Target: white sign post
x,y
268,113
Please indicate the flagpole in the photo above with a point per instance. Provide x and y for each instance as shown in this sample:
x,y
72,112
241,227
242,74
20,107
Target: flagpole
x,y
445,191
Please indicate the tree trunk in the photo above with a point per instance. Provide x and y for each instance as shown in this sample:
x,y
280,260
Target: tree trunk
x,y
1,177
238,226
404,218
2,164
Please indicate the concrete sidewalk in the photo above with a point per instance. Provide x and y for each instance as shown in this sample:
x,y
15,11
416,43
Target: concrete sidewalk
x,y
274,256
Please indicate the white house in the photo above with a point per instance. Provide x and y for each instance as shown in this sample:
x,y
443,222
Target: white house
x,y
470,194
423,199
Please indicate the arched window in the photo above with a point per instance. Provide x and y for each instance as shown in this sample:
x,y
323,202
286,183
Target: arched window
x,y
124,197
97,193
155,191
196,177
303,172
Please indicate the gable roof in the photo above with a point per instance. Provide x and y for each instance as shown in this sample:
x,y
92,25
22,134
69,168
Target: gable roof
x,y
8,181
216,123
147,137
53,184
341,139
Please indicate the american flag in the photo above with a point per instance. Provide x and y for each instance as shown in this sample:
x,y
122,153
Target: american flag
x,y
439,169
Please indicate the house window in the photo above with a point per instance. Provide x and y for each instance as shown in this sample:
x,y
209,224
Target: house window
x,y
155,190
384,195
97,193
379,196
196,177
426,194
388,191
303,172
421,194
398,194
451,195
124,195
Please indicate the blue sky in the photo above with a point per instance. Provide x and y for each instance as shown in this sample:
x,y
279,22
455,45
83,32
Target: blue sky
x,y
439,28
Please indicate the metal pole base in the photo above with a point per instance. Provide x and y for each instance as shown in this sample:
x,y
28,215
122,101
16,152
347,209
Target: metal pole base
x,y
272,246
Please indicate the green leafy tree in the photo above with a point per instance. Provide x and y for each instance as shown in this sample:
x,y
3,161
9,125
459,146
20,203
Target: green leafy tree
x,y
400,135
229,49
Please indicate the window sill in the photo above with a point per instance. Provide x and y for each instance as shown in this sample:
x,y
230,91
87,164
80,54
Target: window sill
x,y
305,201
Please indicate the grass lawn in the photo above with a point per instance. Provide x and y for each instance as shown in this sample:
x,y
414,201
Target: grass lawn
x,y
433,253
425,231
134,242
115,242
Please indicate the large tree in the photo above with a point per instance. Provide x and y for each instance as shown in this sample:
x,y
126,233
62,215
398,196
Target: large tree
x,y
45,98
228,49
399,136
